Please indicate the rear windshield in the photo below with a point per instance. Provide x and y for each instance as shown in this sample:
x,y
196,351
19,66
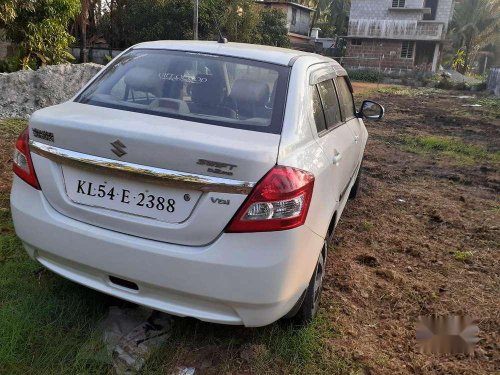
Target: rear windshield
x,y
212,89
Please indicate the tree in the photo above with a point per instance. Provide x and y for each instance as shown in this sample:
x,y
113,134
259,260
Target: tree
x,y
39,29
126,22
339,15
84,28
238,20
331,16
82,22
156,20
475,24
272,28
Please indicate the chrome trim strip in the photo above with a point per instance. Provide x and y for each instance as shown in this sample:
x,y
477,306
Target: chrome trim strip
x,y
149,174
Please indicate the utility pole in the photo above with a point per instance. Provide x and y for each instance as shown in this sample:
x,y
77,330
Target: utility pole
x,y
195,20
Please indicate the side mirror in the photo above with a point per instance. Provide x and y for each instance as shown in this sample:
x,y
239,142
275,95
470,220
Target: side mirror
x,y
371,110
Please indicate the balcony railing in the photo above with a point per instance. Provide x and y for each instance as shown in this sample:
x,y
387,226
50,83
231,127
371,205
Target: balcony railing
x,y
396,29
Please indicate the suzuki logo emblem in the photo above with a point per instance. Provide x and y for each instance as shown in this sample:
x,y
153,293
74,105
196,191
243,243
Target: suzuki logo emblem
x,y
118,148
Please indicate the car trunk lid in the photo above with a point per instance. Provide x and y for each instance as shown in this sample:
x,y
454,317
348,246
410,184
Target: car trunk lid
x,y
91,160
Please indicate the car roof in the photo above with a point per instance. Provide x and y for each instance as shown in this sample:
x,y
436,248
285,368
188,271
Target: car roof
x,y
274,55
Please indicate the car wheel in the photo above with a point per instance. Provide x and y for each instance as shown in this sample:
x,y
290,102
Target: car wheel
x,y
308,309
355,188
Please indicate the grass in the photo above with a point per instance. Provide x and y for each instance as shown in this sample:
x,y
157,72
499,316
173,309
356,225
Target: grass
x,y
462,256
43,318
490,107
465,153
397,90
278,348
366,225
11,127
48,325
9,130
405,91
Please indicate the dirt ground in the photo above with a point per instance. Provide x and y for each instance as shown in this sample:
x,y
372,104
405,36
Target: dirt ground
x,y
421,238
395,259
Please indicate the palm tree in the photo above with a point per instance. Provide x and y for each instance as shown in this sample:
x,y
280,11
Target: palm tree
x,y
339,15
83,19
475,24
321,6
332,12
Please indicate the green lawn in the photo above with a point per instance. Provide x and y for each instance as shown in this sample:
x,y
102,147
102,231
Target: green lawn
x,y
451,147
44,320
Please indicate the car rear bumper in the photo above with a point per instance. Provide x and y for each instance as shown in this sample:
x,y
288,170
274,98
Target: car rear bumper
x,y
240,278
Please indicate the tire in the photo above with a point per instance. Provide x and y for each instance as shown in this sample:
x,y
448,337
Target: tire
x,y
307,308
355,188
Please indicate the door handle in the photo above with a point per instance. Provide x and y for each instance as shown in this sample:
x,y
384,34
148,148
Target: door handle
x,y
337,156
356,138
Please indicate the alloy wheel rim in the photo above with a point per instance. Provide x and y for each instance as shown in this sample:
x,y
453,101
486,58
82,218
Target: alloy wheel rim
x,y
318,282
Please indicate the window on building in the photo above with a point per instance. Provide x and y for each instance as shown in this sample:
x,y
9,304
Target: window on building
x,y
356,42
433,4
398,3
407,48
294,16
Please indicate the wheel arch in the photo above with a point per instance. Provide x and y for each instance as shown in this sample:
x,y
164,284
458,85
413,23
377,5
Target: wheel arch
x,y
331,227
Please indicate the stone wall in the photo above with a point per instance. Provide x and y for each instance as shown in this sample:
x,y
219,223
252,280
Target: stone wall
x,y
25,91
369,53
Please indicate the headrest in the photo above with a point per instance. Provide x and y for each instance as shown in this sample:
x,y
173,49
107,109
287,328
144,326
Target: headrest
x,y
145,80
207,90
250,91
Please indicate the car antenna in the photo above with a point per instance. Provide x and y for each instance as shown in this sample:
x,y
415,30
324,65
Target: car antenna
x,y
222,39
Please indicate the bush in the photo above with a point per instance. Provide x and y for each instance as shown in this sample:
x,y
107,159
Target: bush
x,y
482,86
272,28
447,84
13,63
364,75
39,28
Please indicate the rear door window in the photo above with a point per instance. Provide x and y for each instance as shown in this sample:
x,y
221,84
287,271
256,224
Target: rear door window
x,y
211,89
319,116
345,98
330,103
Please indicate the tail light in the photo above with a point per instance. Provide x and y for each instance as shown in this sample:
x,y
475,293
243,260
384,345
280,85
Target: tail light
x,y
23,165
279,201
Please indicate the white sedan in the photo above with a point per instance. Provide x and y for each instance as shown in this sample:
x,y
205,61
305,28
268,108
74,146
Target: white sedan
x,y
201,179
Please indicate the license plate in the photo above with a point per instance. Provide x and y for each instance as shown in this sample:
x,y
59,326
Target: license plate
x,y
159,202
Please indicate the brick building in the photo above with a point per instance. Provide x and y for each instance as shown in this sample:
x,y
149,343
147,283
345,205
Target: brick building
x,y
399,35
299,18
